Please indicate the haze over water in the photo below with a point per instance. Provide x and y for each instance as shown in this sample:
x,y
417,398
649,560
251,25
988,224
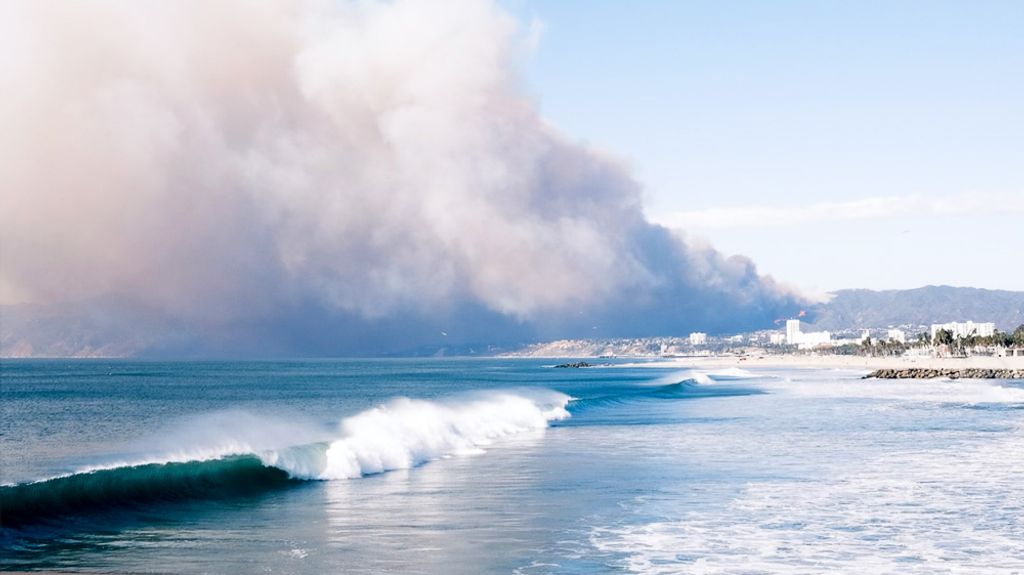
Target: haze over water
x,y
505,466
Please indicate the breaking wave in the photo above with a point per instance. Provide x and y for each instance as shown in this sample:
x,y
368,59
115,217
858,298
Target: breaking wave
x,y
708,376
688,384
400,434
137,485
236,454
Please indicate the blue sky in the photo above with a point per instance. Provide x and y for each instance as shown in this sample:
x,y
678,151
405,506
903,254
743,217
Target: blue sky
x,y
839,144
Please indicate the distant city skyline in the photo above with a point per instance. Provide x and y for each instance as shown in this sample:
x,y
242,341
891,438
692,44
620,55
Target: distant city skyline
x,y
865,145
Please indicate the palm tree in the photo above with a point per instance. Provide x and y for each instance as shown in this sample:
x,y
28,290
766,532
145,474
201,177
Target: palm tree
x,y
1018,335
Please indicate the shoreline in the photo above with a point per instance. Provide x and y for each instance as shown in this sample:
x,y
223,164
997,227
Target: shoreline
x,y
851,362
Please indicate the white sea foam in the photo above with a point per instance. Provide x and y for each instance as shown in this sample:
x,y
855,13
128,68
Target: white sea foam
x,y
407,432
952,509
693,375
958,391
733,373
705,376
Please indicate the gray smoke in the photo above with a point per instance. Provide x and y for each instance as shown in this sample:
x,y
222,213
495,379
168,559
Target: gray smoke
x,y
320,177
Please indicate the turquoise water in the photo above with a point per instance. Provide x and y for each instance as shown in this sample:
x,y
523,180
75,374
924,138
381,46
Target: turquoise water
x,y
504,466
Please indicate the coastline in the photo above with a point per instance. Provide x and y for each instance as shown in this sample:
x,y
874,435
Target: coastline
x,y
851,362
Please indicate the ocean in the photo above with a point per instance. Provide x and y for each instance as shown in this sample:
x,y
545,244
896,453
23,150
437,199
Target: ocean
x,y
450,466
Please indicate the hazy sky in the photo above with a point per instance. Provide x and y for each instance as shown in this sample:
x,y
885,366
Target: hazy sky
x,y
839,144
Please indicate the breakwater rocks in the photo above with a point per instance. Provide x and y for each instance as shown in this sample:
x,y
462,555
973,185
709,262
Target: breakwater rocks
x,y
578,364
951,373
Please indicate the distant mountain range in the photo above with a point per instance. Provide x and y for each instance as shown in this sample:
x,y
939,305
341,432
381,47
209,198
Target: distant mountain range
x,y
857,308
116,328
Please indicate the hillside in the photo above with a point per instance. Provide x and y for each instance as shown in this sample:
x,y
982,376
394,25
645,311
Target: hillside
x,y
854,308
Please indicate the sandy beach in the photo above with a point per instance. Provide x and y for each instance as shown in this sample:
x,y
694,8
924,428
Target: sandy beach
x,y
837,362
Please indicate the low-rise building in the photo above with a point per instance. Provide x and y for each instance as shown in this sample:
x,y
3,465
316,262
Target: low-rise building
x,y
806,340
965,329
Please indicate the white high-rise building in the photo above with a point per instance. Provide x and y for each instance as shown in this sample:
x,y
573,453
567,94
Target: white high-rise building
x,y
898,335
792,331
965,329
698,338
805,340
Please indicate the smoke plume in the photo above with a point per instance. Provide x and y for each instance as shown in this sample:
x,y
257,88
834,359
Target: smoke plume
x,y
319,177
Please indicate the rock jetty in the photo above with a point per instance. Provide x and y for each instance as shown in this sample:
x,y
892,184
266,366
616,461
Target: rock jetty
x,y
577,364
951,373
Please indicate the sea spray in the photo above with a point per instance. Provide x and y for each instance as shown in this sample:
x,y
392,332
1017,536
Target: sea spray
x,y
406,432
397,435
705,376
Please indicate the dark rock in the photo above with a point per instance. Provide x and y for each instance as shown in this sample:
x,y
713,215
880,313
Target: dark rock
x,y
578,364
963,373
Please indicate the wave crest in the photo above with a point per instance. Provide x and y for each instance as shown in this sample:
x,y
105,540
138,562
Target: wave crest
x,y
398,435
407,432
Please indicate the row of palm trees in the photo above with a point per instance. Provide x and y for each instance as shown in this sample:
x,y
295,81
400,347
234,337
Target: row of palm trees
x,y
999,338
957,346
